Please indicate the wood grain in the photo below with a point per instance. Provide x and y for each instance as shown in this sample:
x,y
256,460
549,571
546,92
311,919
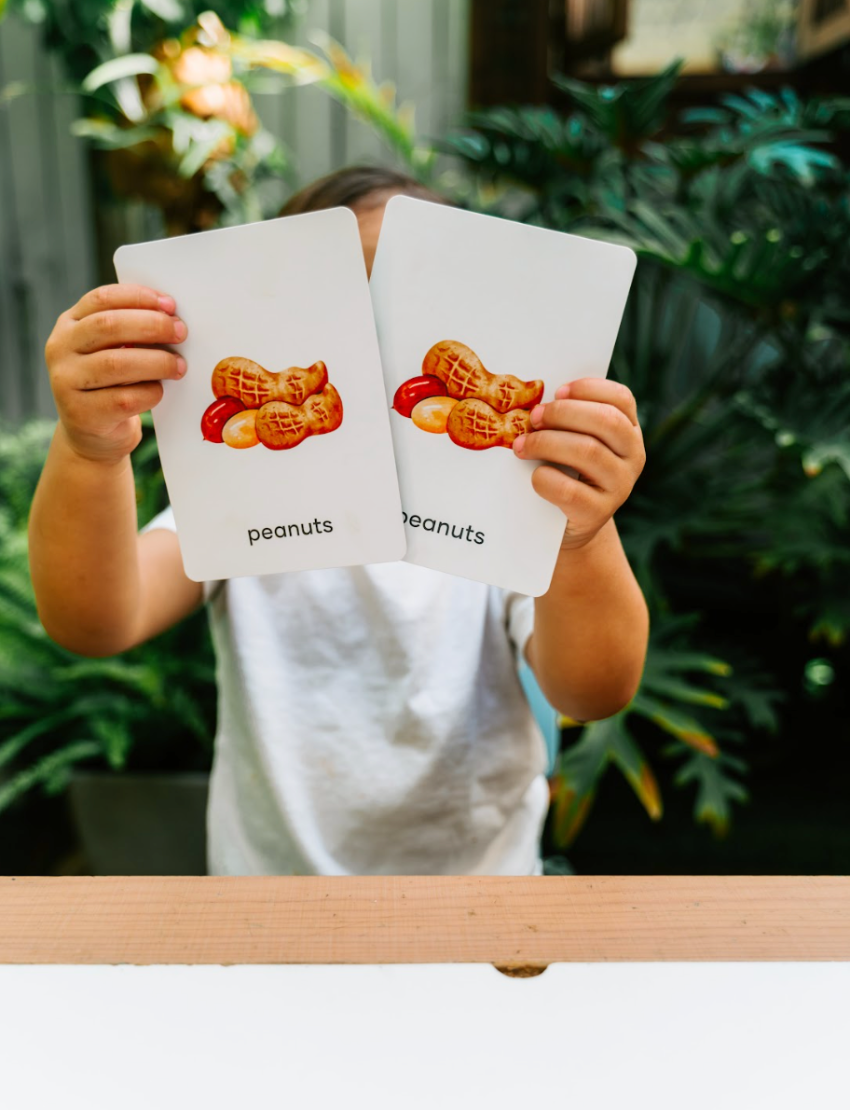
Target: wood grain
x,y
510,922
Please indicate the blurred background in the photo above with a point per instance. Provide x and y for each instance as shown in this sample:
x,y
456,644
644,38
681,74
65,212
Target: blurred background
x,y
709,135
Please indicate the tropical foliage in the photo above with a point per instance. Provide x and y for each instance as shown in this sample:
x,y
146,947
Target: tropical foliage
x,y
168,90
150,709
736,342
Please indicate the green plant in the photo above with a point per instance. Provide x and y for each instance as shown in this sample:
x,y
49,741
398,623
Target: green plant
x,y
763,32
736,343
152,708
86,33
167,89
174,122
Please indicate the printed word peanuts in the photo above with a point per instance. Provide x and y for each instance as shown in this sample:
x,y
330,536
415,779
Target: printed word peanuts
x,y
464,376
475,425
278,410
255,386
457,394
281,426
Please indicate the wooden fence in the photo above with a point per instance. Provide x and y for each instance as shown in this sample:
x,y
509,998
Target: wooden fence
x,y
48,254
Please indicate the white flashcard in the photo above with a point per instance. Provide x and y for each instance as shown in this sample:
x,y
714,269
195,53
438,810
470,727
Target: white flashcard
x,y
276,445
479,319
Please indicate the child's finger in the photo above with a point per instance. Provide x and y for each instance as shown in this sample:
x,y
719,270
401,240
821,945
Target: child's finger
x,y
130,365
575,498
105,408
107,297
117,327
597,465
604,391
607,423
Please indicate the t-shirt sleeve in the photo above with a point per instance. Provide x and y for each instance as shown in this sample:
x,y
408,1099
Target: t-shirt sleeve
x,y
165,519
519,619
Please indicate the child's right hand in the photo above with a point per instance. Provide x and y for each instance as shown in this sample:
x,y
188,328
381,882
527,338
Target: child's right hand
x,y
106,366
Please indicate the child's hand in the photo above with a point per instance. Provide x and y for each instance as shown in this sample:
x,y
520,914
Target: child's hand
x,y
593,428
106,366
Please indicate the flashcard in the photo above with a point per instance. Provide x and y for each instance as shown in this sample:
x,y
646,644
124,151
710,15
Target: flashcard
x,y
276,445
479,319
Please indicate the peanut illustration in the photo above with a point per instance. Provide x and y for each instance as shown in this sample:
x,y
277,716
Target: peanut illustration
x,y
465,375
216,416
410,393
254,386
241,430
476,425
281,425
431,413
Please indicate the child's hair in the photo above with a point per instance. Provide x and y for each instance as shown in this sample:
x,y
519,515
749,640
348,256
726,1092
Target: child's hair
x,y
356,187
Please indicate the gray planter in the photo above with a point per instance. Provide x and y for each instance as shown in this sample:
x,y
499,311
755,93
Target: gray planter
x,y
141,824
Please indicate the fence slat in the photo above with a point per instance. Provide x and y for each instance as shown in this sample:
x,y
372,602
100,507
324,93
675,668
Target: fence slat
x,y
30,287
415,75
312,132
11,404
457,65
363,40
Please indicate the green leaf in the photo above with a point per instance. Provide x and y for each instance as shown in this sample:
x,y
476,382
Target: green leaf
x,y
109,136
13,90
716,790
172,11
45,769
115,738
130,65
684,727
579,768
14,745
822,454
624,752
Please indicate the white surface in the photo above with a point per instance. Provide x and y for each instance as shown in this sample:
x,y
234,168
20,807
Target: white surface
x,y
529,302
678,1036
283,293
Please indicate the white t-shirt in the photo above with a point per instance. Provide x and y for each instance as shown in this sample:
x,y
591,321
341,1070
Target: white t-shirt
x,y
371,721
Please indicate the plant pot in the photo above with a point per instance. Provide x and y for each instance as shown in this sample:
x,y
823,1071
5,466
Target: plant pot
x,y
141,824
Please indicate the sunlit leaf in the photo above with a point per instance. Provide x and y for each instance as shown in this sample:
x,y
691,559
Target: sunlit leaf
x,y
129,65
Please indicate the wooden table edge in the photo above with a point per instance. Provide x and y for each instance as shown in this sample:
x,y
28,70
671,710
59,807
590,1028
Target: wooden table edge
x,y
521,924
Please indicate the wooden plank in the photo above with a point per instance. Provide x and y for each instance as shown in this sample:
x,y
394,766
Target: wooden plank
x,y
511,922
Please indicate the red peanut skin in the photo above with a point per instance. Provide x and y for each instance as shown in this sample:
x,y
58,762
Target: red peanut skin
x,y
217,415
408,395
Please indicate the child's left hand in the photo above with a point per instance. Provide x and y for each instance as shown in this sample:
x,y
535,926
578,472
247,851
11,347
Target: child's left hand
x,y
592,426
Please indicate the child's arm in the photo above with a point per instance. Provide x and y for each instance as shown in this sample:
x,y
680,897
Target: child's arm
x,y
588,646
100,588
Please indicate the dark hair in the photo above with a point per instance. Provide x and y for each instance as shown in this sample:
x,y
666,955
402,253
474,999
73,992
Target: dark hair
x,y
352,186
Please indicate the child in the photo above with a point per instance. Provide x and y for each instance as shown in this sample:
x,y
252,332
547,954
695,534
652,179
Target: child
x,y
370,718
